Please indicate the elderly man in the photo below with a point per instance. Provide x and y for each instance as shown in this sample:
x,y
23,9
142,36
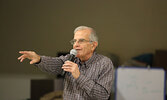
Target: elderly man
x,y
89,77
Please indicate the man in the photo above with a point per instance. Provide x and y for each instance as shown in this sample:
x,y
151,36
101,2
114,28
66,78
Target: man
x,y
89,77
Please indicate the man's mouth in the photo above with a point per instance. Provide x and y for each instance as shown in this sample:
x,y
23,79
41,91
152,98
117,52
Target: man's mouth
x,y
78,50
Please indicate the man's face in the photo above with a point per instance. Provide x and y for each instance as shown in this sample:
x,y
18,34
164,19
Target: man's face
x,y
82,45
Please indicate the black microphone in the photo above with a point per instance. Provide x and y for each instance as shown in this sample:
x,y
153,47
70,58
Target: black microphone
x,y
72,55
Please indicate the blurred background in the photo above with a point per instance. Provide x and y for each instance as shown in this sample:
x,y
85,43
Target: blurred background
x,y
126,29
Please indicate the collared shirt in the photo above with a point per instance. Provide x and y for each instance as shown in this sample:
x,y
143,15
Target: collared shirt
x,y
94,82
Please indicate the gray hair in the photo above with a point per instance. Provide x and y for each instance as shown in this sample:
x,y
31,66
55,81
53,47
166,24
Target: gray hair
x,y
93,36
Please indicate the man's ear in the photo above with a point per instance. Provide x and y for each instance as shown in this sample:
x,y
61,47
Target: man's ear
x,y
94,45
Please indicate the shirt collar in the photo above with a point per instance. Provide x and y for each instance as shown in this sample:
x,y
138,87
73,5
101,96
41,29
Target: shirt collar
x,y
88,62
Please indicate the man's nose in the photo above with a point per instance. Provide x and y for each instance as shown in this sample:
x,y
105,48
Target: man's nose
x,y
76,43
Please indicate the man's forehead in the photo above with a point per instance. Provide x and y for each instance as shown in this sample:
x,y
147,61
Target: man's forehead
x,y
82,33
78,37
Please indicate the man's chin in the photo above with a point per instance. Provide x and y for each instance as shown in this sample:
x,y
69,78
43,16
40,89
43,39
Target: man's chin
x,y
78,55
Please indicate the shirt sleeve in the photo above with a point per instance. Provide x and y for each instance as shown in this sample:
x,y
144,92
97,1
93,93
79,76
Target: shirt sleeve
x,y
100,89
51,64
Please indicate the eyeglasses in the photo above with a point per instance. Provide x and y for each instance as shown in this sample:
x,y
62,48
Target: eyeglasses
x,y
80,41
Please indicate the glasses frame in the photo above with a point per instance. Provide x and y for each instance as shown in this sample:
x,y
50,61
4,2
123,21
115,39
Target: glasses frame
x,y
79,41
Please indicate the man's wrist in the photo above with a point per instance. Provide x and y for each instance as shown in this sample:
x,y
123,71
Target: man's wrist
x,y
39,60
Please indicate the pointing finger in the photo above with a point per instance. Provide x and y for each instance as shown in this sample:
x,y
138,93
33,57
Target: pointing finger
x,y
22,59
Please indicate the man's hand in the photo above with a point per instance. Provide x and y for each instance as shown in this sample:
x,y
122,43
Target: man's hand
x,y
71,67
29,55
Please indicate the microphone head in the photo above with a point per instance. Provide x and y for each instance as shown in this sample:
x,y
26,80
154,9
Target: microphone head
x,y
73,52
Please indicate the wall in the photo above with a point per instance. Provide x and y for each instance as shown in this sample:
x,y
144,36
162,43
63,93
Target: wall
x,y
18,87
126,28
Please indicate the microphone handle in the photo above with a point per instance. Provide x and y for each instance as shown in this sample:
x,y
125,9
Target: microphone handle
x,y
71,58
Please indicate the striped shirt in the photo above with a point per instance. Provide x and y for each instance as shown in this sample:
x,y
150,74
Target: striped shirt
x,y
94,82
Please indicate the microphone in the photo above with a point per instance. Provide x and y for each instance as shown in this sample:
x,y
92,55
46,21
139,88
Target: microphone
x,y
73,53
